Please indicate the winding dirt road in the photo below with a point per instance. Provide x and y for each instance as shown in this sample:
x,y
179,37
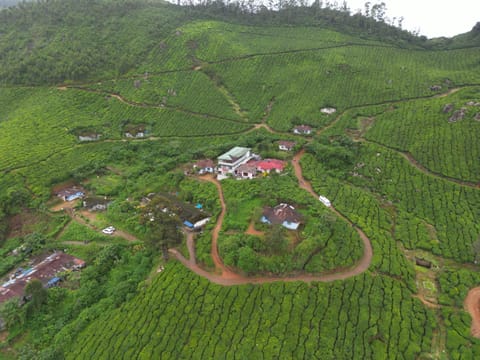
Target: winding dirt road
x,y
366,259
226,277
220,267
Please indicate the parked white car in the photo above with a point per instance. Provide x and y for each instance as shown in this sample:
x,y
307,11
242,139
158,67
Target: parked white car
x,y
108,230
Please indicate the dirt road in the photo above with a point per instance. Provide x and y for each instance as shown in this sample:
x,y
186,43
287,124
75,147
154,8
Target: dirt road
x,y
219,265
366,259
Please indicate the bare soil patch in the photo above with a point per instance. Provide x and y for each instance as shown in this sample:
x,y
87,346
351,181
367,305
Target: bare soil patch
x,y
472,305
24,223
252,231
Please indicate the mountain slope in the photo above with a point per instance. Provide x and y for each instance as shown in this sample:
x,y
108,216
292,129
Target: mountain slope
x,y
398,158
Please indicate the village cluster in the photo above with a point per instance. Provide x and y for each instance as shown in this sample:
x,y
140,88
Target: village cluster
x,y
238,163
193,217
46,269
242,163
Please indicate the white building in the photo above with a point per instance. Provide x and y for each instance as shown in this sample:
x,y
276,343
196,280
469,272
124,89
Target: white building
x,y
201,223
231,160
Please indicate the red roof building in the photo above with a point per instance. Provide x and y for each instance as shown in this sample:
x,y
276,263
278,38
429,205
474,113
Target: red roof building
x,y
268,165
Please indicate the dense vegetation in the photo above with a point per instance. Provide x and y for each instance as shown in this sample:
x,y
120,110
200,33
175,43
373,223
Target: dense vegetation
x,y
398,159
323,244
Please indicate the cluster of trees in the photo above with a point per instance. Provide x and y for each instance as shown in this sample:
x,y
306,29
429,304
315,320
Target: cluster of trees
x,y
337,155
372,18
162,228
275,250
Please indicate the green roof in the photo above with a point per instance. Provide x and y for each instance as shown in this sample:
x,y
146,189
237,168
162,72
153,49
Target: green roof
x,y
235,153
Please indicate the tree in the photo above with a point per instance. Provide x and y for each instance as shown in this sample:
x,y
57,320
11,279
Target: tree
x,y
37,294
275,240
378,12
161,226
367,9
33,241
247,260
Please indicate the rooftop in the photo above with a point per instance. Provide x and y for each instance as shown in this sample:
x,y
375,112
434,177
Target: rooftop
x,y
247,168
281,213
302,128
205,163
270,164
286,143
233,154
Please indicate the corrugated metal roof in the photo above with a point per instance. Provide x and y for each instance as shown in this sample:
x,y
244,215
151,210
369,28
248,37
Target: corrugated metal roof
x,y
235,153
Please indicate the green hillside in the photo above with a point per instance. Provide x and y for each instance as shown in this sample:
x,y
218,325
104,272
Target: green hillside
x,y
398,158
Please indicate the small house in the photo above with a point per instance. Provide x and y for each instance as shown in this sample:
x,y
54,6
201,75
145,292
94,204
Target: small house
x,y
302,130
205,166
201,223
286,145
78,264
246,171
96,203
283,214
71,194
328,110
90,137
55,281
422,262
138,135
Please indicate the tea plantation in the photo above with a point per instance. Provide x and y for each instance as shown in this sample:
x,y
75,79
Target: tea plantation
x,y
126,109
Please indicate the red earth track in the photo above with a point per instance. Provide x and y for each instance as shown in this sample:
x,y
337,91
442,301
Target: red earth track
x,y
472,305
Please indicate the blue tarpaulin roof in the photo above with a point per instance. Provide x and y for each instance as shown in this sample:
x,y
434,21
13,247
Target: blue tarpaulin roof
x,y
188,224
199,206
75,196
53,281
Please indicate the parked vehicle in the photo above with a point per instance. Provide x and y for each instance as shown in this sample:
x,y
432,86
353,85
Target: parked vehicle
x,y
324,201
108,230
